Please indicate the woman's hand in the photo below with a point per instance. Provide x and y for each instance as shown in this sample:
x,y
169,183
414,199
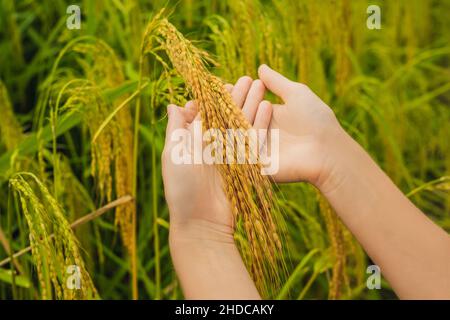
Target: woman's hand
x,y
412,252
201,223
308,130
194,191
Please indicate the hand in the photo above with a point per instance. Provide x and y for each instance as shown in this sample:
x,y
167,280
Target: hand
x,y
204,255
396,235
197,204
308,130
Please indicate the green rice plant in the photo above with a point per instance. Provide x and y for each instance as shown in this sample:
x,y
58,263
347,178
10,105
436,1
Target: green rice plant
x,y
74,95
52,255
112,150
106,71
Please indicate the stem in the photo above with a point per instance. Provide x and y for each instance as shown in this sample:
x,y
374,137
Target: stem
x,y
89,217
155,206
426,185
137,116
308,285
9,220
55,155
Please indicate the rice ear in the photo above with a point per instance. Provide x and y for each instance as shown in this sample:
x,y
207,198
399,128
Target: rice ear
x,y
51,255
254,202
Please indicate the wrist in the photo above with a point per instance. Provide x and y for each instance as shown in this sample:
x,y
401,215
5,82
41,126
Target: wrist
x,y
208,263
199,232
340,154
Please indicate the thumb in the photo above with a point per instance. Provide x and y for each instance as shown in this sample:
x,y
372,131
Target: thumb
x,y
176,120
276,82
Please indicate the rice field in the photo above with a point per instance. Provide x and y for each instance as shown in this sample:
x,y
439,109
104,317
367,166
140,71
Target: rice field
x,y
83,118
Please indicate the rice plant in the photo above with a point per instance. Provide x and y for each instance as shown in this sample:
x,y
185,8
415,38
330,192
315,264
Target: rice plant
x,y
83,121
45,218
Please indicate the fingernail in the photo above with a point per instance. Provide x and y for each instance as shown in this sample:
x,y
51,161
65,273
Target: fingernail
x,y
265,104
261,67
244,78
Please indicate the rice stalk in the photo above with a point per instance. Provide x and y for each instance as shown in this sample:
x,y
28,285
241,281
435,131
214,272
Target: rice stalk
x,y
398,72
76,224
52,257
111,152
226,46
336,237
244,11
112,148
250,194
107,68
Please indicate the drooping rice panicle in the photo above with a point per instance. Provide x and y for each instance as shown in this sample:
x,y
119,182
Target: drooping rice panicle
x,y
52,255
249,192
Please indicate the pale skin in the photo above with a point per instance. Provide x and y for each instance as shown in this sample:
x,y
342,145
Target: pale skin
x,y
412,252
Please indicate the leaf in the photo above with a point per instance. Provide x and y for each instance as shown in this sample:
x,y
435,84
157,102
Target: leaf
x,y
20,280
30,144
163,223
294,277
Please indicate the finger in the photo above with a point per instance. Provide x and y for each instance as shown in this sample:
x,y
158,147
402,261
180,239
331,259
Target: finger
x,y
191,105
176,120
190,111
262,121
229,87
254,97
263,115
276,82
198,117
240,90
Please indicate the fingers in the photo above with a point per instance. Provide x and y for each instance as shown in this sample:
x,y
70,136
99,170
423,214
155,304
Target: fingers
x,y
276,82
246,94
190,111
262,122
240,90
177,120
191,105
263,115
254,97
229,87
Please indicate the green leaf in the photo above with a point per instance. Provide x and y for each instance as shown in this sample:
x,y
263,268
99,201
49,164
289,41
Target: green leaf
x,y
20,280
30,144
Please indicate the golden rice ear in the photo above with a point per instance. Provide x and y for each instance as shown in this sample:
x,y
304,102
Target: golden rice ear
x,y
112,150
52,255
254,203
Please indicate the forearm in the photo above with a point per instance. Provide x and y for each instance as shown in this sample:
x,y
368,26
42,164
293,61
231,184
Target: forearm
x,y
412,252
208,263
